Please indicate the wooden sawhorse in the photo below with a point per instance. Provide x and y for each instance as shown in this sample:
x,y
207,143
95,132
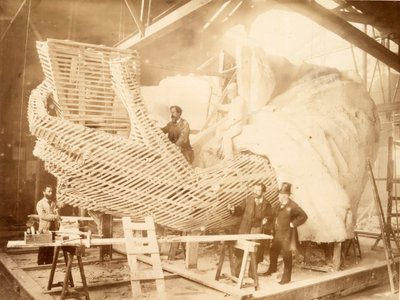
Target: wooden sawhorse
x,y
249,248
69,252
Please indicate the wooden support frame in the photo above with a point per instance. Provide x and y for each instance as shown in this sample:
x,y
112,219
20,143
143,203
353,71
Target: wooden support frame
x,y
194,276
163,26
341,27
106,224
249,248
135,16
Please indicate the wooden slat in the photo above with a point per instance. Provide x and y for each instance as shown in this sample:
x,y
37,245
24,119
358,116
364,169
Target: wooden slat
x,y
216,238
137,175
191,275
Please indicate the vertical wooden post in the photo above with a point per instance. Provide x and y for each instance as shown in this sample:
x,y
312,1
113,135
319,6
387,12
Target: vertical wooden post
x,y
38,175
337,255
192,251
106,227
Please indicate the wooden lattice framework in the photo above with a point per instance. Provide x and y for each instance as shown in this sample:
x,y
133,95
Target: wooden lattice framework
x,y
136,175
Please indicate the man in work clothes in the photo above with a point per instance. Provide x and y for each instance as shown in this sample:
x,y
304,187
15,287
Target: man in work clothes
x,y
256,212
178,131
48,215
288,217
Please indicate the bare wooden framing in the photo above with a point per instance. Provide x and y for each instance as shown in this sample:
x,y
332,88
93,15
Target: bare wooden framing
x,y
336,24
136,174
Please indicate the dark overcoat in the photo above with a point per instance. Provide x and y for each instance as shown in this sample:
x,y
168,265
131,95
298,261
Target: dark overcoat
x,y
246,209
286,214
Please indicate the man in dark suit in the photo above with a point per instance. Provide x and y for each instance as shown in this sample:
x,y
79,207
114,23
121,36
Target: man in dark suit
x,y
256,213
288,217
178,133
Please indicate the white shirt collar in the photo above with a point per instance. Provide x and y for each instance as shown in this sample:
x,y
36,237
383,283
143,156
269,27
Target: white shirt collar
x,y
259,200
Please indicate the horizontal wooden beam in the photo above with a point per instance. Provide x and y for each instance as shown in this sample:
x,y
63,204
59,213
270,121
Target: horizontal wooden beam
x,y
334,23
216,238
388,107
165,25
360,18
200,278
329,286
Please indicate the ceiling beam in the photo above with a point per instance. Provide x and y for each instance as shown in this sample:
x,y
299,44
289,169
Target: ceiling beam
x,y
360,18
135,16
333,23
165,25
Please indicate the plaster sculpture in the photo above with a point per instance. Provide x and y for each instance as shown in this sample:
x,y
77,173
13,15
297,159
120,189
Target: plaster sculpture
x,y
315,131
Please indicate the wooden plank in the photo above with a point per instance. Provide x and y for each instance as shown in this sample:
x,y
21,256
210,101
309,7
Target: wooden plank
x,y
216,285
28,287
67,218
215,238
328,284
93,242
87,262
106,284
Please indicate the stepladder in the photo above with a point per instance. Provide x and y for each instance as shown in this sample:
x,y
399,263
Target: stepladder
x,y
140,239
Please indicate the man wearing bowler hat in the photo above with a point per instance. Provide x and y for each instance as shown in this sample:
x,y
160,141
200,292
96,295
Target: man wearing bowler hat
x,y
288,217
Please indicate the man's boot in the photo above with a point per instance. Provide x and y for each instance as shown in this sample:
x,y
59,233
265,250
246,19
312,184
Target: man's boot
x,y
273,263
286,277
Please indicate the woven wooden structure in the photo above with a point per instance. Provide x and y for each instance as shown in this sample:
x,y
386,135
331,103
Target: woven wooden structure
x,y
106,170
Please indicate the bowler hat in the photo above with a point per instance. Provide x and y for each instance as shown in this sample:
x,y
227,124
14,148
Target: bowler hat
x,y
285,188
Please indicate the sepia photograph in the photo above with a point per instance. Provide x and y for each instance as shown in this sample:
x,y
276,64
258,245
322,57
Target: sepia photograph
x,y
200,149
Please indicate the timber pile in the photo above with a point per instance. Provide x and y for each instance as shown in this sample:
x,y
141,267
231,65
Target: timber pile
x,y
143,174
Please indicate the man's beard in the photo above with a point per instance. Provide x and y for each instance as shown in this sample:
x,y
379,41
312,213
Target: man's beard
x,y
174,119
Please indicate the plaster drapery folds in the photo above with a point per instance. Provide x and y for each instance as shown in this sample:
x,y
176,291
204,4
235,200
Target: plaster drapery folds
x,y
121,163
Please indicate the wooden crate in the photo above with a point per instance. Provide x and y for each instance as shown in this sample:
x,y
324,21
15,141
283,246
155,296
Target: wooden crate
x,y
38,238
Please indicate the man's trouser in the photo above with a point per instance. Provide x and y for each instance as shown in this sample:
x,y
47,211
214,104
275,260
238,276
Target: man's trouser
x,y
45,255
277,247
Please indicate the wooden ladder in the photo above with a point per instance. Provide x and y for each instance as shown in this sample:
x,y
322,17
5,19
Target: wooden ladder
x,y
146,244
387,234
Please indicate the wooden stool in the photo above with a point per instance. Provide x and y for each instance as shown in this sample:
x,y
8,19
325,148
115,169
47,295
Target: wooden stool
x,y
249,249
69,252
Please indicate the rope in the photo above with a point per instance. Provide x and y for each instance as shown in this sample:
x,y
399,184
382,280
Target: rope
x,y
22,100
12,21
